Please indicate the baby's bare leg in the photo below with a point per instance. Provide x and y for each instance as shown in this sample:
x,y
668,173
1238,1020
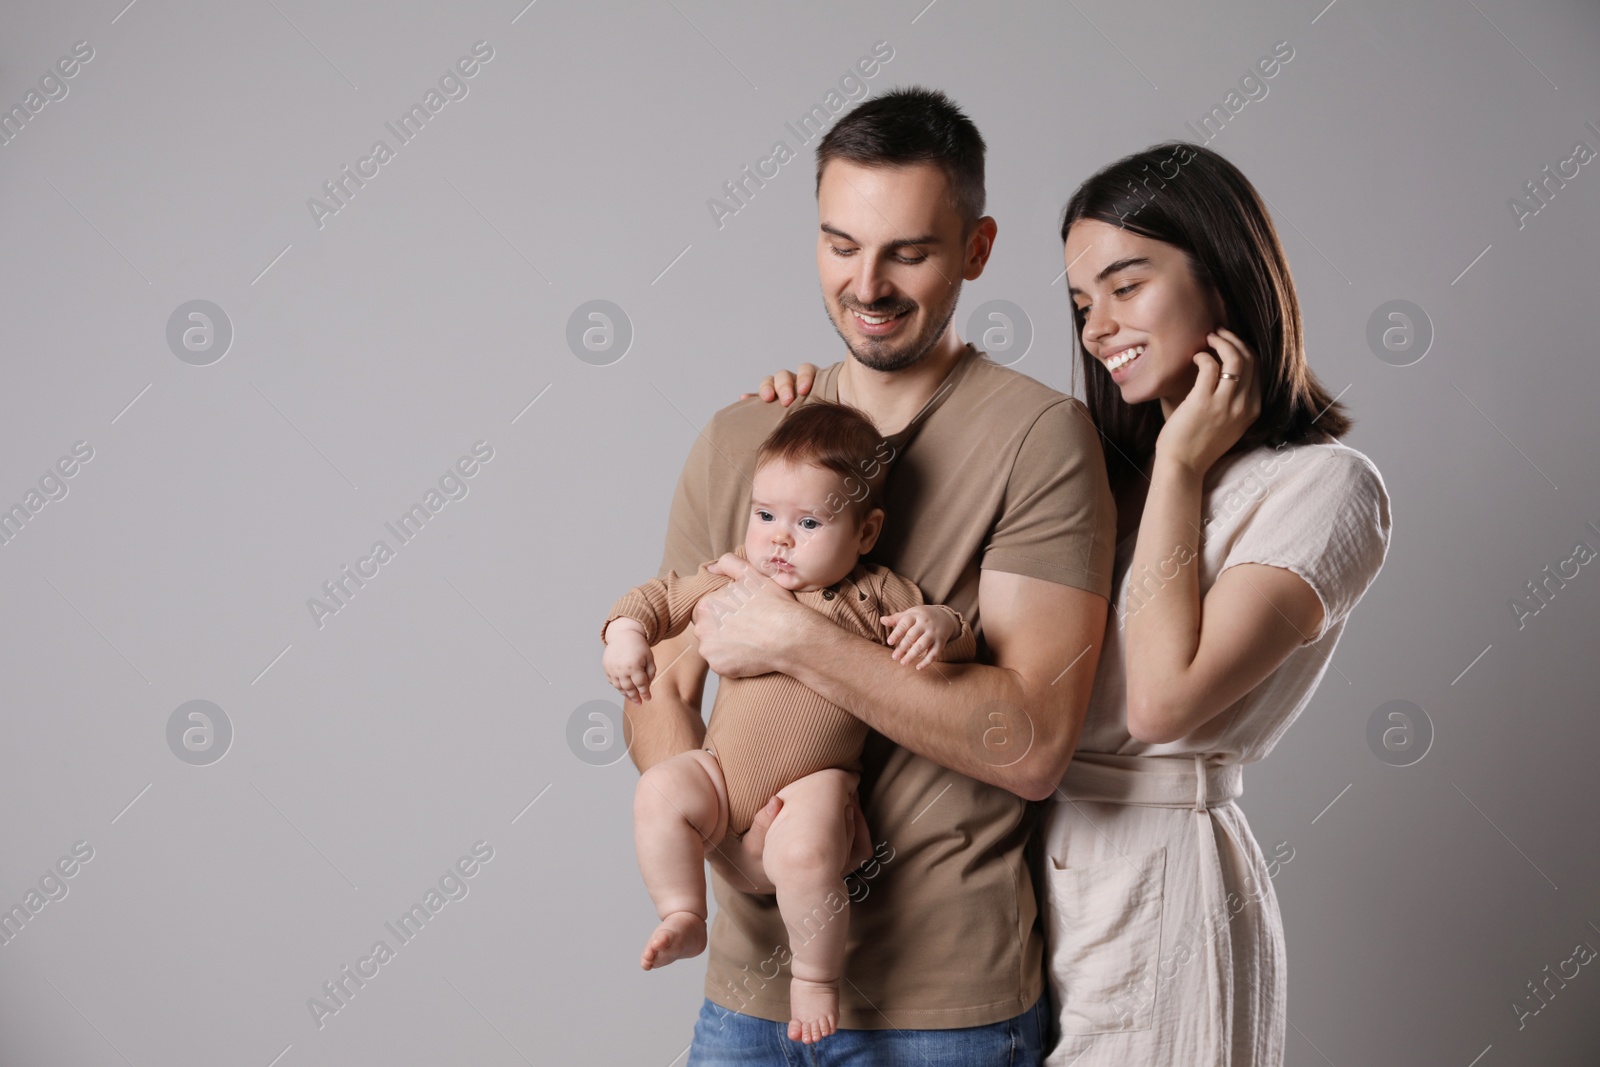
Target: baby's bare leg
x,y
680,805
804,853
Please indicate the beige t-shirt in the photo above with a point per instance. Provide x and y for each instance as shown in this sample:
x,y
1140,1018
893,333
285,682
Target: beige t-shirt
x,y
996,471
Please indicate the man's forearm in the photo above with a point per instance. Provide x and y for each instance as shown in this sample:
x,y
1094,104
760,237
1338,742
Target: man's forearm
x,y
670,722
934,712
661,729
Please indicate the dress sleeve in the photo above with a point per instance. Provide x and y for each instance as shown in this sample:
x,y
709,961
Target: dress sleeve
x,y
1328,522
1058,520
900,593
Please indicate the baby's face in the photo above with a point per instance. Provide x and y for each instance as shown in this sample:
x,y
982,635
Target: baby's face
x,y
795,535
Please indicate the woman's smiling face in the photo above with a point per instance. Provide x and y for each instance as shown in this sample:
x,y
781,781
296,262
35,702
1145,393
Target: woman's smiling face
x,y
1147,314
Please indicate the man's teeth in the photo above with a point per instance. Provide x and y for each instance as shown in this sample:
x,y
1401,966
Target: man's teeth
x,y
872,320
1123,358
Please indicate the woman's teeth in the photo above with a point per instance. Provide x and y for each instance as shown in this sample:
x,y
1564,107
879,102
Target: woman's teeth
x,y
1125,357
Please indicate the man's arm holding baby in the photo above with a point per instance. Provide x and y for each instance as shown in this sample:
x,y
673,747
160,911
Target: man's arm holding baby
x,y
1044,638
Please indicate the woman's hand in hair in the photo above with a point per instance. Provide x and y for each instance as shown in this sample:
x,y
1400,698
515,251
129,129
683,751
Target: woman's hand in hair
x,y
785,385
1218,410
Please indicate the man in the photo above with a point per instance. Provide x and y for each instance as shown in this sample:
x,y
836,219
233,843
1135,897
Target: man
x,y
998,505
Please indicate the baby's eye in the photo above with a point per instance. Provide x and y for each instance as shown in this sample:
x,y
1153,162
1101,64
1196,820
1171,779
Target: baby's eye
x,y
810,524
764,516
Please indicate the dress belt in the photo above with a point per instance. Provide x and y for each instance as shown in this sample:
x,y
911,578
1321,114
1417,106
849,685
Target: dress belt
x,y
1152,781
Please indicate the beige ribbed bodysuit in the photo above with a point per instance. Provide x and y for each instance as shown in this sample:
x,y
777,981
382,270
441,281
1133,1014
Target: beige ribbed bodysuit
x,y
769,730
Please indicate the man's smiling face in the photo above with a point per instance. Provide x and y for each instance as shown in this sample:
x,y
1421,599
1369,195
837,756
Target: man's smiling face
x,y
891,259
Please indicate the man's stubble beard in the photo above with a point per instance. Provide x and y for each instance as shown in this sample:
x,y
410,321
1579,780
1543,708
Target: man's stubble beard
x,y
878,358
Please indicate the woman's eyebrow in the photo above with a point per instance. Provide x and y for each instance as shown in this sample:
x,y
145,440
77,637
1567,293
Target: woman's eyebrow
x,y
1112,268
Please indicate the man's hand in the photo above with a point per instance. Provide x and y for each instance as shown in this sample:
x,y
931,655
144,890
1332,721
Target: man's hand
x,y
739,862
743,628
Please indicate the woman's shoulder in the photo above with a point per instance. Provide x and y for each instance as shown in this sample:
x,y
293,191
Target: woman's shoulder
x,y
1342,472
1331,469
1326,496
1300,492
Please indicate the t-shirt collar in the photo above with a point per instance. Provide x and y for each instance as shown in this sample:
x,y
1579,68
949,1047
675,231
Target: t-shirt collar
x,y
899,439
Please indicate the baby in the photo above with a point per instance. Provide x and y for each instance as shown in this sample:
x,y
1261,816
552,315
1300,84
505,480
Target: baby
x,y
769,735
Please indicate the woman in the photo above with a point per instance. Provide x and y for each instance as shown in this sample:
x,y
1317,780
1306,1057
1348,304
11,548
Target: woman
x,y
1247,533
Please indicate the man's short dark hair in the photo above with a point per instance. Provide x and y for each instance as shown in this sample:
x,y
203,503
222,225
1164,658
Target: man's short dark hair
x,y
912,125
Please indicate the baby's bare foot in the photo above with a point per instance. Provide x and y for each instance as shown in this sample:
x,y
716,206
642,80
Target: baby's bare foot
x,y
814,1007
680,935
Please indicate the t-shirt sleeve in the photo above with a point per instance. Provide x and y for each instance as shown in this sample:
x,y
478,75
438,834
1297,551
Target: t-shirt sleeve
x,y
688,542
1329,523
1058,521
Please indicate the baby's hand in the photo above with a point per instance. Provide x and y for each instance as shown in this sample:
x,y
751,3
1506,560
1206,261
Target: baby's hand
x,y
922,630
628,661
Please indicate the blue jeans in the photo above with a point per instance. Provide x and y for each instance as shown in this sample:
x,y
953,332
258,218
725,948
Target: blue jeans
x,y
724,1038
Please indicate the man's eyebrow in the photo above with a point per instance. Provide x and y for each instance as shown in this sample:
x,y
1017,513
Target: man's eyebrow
x,y
1112,268
926,239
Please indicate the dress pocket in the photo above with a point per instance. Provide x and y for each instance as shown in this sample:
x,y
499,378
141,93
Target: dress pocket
x,y
1105,939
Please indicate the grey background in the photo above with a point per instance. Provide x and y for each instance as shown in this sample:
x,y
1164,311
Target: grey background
x,y
432,712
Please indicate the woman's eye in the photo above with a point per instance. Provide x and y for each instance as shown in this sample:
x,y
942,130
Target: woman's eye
x,y
1127,289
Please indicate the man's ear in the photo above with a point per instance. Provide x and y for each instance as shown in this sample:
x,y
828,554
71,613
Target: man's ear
x,y
979,246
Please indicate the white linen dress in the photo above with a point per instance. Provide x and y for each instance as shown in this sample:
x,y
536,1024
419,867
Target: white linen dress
x,y
1164,941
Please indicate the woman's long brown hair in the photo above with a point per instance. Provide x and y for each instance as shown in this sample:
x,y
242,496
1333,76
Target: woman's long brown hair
x,y
1188,196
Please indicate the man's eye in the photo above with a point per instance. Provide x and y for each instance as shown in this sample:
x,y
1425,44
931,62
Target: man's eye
x,y
836,250
910,260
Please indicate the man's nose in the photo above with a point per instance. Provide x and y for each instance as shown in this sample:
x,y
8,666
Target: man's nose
x,y
870,284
